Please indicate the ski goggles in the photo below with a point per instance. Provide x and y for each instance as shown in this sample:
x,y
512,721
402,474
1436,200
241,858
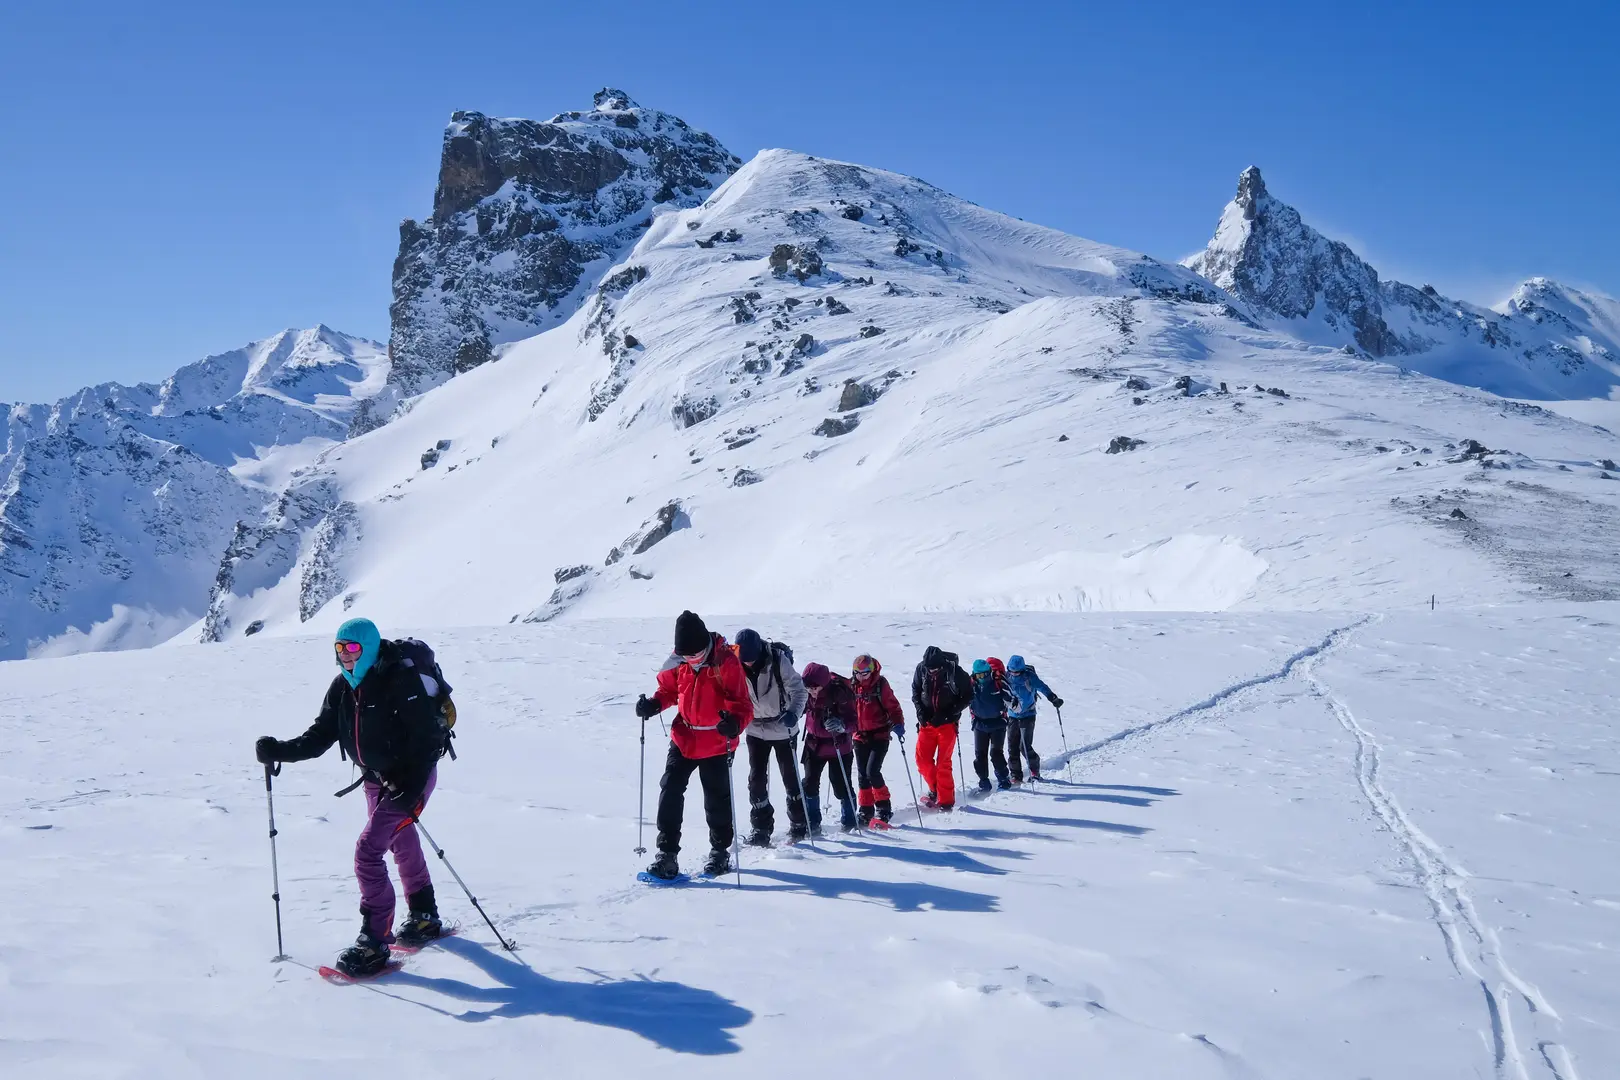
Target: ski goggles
x,y
865,667
347,648
695,659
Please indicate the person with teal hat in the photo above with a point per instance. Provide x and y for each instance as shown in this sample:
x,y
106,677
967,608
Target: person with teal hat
x,y
989,708
382,710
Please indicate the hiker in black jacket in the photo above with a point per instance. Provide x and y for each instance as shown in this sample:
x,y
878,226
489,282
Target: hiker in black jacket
x,y
939,691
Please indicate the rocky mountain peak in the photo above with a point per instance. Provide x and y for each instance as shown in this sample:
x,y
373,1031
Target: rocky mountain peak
x,y
610,100
1251,190
525,212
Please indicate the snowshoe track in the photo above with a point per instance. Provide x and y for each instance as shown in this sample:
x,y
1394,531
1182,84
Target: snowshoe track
x,y
1472,946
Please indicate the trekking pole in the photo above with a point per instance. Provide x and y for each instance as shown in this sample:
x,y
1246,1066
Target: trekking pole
x,y
849,790
793,741
1060,728
275,871
906,760
641,794
731,795
961,773
439,851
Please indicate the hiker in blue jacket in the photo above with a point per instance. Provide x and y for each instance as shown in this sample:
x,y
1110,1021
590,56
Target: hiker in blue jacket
x,y
1025,685
989,709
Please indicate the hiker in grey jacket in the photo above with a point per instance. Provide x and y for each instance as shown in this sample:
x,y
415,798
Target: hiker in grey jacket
x,y
779,695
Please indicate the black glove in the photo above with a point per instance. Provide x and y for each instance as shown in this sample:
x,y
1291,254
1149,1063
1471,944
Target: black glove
x,y
834,724
900,729
790,720
1057,703
729,725
267,750
404,796
646,706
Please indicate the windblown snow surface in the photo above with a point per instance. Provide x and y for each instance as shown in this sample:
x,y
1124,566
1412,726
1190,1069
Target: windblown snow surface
x,y
1279,845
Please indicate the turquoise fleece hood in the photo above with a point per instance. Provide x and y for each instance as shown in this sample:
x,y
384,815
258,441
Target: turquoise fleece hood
x,y
365,632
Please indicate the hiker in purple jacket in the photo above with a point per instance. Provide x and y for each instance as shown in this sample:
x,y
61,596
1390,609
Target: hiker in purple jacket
x,y
829,725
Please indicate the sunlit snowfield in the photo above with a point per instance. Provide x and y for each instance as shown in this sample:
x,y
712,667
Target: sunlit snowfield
x,y
1280,846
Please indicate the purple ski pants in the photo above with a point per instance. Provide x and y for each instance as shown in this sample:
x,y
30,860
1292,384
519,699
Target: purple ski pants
x,y
388,828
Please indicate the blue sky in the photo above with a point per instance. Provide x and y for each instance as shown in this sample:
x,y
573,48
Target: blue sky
x,y
179,179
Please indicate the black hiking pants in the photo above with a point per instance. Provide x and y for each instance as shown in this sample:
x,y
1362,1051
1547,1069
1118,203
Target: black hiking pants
x,y
1021,746
869,764
761,815
836,769
992,745
715,775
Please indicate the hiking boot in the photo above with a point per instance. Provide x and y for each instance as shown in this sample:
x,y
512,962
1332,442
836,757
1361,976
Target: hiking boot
x,y
797,833
885,811
984,785
422,924
866,815
665,867
719,863
1001,785
758,838
930,800
367,956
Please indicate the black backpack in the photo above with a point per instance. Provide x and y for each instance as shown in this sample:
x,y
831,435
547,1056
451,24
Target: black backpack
x,y
418,655
945,690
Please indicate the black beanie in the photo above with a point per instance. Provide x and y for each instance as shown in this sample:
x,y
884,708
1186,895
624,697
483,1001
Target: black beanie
x,y
691,636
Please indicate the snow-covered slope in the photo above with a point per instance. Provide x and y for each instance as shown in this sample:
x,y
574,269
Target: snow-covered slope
x,y
1548,342
525,217
832,388
117,502
1395,858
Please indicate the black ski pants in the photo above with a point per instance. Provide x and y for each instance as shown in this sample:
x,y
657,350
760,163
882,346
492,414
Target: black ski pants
x,y
992,744
1021,746
761,815
869,763
715,775
836,768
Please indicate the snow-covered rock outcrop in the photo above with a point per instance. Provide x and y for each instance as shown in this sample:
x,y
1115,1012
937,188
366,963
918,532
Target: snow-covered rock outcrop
x,y
526,216
117,502
1549,341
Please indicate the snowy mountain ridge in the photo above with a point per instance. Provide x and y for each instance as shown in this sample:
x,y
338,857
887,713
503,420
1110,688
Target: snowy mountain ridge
x,y
855,392
116,502
1549,341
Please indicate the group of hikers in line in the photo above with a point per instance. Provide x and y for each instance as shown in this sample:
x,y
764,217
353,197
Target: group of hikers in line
x,y
389,711
721,690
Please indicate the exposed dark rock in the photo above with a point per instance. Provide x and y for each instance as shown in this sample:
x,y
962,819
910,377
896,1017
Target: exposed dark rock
x,y
799,262
569,573
853,212
253,628
836,306
1122,443
631,341
639,574
1136,382
430,458
871,331
832,427
855,396
1063,438
322,579
552,198
442,444
622,281
803,345
1607,463
1276,391
1457,513
1184,384
689,411
745,477
669,518
811,385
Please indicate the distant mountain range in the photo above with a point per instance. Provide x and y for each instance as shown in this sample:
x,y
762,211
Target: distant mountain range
x,y
629,374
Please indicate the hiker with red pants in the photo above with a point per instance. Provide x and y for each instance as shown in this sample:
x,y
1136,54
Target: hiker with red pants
x,y
939,692
877,719
384,716
705,682
829,724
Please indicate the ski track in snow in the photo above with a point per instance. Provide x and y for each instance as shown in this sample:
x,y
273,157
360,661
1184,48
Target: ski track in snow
x,y
1472,946
1068,758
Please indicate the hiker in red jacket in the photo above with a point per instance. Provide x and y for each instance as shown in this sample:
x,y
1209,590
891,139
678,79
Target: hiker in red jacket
x,y
704,680
877,719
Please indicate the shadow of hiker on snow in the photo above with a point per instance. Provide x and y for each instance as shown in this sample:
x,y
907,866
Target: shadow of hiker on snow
x,y
947,860
904,895
1140,789
1073,823
673,1015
